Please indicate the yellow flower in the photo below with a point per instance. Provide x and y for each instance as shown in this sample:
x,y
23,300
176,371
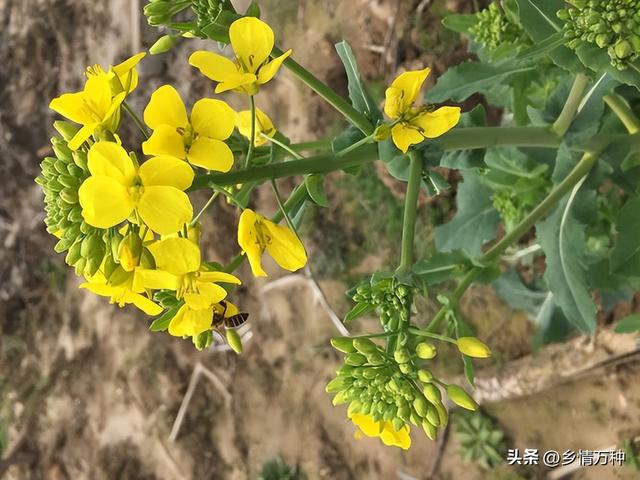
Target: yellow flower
x,y
179,268
263,125
198,139
117,188
127,292
252,41
415,124
99,102
257,234
383,430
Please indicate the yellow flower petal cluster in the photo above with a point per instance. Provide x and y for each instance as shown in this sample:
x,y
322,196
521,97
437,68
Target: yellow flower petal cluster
x,y
257,234
100,100
117,188
252,41
263,126
415,124
179,268
382,430
198,138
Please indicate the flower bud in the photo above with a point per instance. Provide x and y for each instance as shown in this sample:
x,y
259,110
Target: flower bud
x,y
382,132
432,393
432,416
163,44
130,251
365,346
234,341
461,398
376,359
343,344
426,351
203,340
472,347
402,356
340,398
420,405
425,376
429,430
355,359
66,129
335,385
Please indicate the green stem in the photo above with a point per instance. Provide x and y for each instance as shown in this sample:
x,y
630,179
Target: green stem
x,y
352,147
583,167
322,144
283,146
424,333
281,208
252,139
623,111
571,106
141,126
410,210
336,101
204,209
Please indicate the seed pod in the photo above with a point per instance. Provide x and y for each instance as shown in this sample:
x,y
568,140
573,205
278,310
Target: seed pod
x,y
355,359
429,430
343,344
461,398
432,393
365,346
472,347
234,341
426,351
425,376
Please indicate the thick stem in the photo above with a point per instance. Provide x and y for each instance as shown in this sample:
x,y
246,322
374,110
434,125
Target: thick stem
x,y
410,209
623,111
336,101
571,106
578,173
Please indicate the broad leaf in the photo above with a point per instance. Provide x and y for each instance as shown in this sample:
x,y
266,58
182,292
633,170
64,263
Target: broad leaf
x,y
625,258
315,189
475,221
459,23
563,240
630,324
442,266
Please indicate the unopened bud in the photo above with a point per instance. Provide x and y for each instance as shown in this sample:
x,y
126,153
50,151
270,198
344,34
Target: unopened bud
x,y
426,351
472,347
163,44
234,341
343,344
461,398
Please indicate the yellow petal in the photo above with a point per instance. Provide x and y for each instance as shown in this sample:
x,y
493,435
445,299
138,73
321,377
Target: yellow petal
x,y
165,108
97,93
105,202
240,82
284,247
230,310
83,134
109,159
176,255
211,154
165,140
218,277
158,279
248,241
409,85
167,171
366,424
208,294
126,72
405,136
189,322
196,301
269,70
392,438
213,66
71,106
263,125
164,209
252,41
434,124
212,118
143,303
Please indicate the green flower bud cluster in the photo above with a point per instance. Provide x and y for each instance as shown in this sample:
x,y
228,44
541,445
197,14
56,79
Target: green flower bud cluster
x,y
161,12
391,300
613,25
509,207
493,29
208,11
392,389
60,179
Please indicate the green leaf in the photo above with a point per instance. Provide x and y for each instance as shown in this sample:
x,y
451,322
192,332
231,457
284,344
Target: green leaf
x,y
542,48
442,266
462,159
598,60
315,188
346,138
462,81
538,18
475,221
460,23
625,257
358,310
630,324
517,295
253,10
360,98
563,240
161,323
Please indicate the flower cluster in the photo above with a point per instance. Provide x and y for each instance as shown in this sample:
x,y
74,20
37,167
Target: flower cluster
x,y
124,216
613,25
494,29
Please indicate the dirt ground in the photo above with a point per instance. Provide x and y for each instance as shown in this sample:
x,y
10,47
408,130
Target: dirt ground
x,y
87,392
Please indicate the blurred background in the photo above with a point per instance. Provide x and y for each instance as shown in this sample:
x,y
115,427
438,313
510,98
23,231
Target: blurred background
x,y
88,392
